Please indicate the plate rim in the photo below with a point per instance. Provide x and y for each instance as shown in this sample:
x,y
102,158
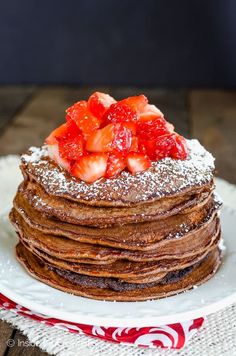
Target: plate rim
x,y
148,322
129,321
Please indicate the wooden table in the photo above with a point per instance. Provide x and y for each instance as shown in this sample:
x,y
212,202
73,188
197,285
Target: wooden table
x,y
29,113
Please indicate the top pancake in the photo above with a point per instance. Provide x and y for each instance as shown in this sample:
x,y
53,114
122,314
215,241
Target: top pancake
x,y
166,178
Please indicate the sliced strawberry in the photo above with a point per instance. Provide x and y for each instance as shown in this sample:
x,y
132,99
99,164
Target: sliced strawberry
x,y
67,130
111,137
53,153
59,131
132,126
90,168
136,103
147,147
169,145
179,149
83,118
101,140
163,147
150,112
115,164
122,140
134,144
119,112
137,162
99,103
74,110
72,148
150,129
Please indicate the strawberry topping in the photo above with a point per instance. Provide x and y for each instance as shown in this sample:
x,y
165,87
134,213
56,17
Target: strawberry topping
x,y
120,112
150,129
134,144
90,168
113,137
102,137
115,164
71,148
137,103
150,112
67,130
99,103
179,149
137,162
101,140
122,139
84,119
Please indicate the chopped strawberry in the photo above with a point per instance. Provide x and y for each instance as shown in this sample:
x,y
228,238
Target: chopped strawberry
x,y
136,103
132,126
129,133
67,130
163,146
150,129
147,147
59,131
159,147
150,112
134,144
90,168
99,103
101,140
71,148
53,153
74,110
119,112
169,145
83,118
115,164
111,137
179,149
137,162
123,139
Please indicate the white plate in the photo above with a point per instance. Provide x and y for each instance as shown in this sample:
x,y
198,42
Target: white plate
x,y
217,293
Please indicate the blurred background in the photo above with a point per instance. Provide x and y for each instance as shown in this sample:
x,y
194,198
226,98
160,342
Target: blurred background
x,y
153,42
181,54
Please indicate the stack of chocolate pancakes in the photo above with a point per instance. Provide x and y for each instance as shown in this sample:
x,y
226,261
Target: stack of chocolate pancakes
x,y
129,238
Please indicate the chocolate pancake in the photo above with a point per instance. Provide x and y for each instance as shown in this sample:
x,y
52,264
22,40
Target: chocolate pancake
x,y
186,245
82,214
142,236
122,268
128,238
136,277
166,178
110,289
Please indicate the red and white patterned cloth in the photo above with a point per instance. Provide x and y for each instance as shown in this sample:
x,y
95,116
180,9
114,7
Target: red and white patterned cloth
x,y
174,336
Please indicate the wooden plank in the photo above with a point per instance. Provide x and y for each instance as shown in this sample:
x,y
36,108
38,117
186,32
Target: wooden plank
x,y
22,346
173,103
12,99
44,112
213,117
6,332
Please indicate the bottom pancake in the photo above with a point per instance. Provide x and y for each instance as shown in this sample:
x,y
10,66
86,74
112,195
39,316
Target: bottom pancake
x,y
103,288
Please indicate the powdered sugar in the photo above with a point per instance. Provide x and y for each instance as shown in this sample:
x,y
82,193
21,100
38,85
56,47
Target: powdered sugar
x,y
165,177
35,154
184,228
